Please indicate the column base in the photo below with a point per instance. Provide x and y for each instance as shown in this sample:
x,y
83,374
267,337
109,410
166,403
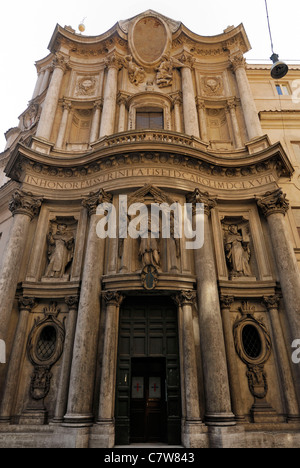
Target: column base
x,y
78,420
29,418
220,419
194,434
103,433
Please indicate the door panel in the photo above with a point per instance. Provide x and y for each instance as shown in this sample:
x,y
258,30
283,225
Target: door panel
x,y
148,405
148,348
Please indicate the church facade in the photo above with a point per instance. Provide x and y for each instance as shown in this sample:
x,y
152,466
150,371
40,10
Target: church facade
x,y
117,339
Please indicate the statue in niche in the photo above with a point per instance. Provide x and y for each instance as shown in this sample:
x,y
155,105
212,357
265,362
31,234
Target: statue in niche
x,y
61,241
237,251
136,74
149,249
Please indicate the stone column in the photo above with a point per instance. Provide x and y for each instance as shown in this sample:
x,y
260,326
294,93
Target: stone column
x,y
109,362
63,386
84,361
95,130
274,207
249,108
226,302
67,106
216,384
191,124
24,207
202,119
122,100
38,85
185,301
50,105
177,103
114,64
26,304
288,387
231,105
46,77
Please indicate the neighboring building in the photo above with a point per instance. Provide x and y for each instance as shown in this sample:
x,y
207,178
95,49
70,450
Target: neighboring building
x,y
119,340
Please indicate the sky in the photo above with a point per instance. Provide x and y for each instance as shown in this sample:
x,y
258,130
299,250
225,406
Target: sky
x,y
27,27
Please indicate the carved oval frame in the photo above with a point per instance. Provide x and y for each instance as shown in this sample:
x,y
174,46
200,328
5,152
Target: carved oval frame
x,y
265,339
34,337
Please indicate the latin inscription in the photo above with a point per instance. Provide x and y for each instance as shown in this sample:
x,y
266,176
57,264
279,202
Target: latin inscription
x,y
153,172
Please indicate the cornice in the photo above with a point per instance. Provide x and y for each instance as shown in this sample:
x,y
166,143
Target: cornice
x,y
149,152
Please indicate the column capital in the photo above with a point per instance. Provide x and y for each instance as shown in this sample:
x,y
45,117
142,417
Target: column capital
x,y
186,60
114,61
202,197
98,104
25,203
72,301
95,199
237,61
273,202
61,61
200,103
226,302
26,303
185,298
66,104
113,298
271,302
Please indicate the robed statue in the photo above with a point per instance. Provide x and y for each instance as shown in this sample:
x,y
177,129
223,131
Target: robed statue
x,y
60,251
238,252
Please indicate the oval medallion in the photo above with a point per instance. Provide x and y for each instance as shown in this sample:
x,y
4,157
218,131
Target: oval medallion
x,y
149,40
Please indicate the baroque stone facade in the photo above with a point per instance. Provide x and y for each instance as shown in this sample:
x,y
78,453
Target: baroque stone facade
x,y
121,339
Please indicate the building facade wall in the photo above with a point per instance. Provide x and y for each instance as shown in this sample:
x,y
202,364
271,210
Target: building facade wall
x,y
228,142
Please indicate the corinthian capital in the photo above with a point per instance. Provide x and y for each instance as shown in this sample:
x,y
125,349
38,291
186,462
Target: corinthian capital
x,y
185,297
26,303
273,202
113,298
61,61
202,197
25,203
237,61
95,199
114,61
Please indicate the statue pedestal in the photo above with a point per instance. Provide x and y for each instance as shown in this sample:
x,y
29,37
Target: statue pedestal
x,y
64,278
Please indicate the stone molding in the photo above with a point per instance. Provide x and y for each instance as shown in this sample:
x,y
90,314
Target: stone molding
x,y
273,202
25,203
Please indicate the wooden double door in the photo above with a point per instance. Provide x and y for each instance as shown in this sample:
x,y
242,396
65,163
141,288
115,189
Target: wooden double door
x,y
148,412
148,397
